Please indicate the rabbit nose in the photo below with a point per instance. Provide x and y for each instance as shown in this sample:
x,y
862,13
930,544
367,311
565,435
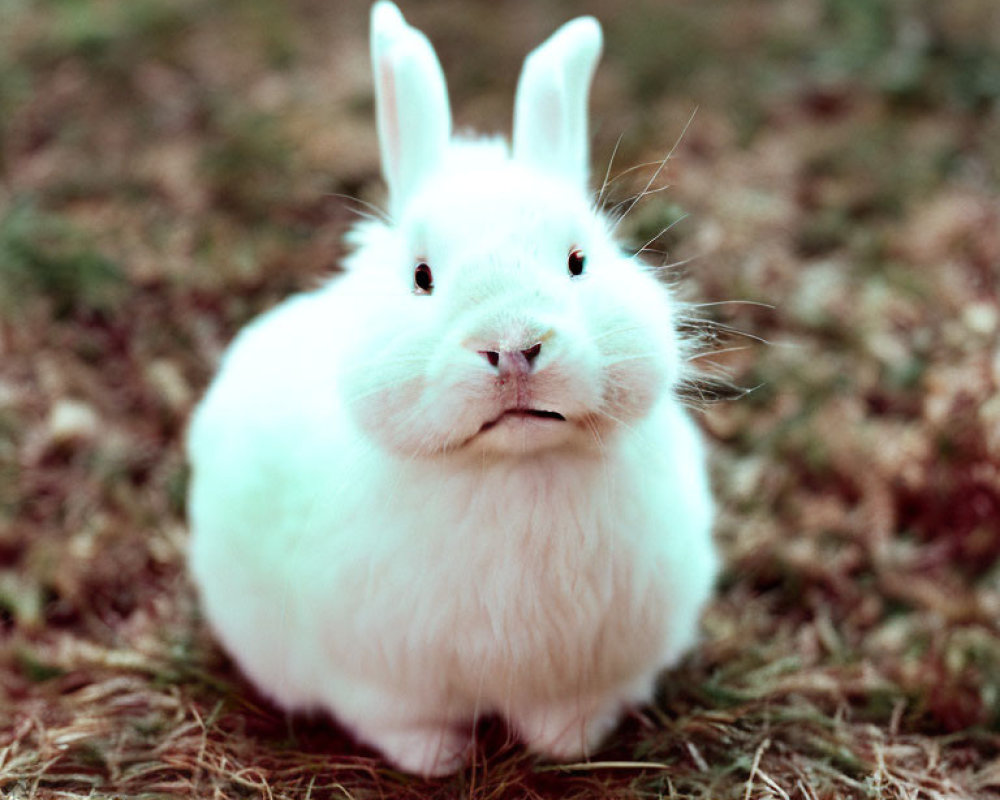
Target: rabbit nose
x,y
516,362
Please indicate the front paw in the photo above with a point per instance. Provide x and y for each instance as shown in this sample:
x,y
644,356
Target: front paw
x,y
431,751
568,732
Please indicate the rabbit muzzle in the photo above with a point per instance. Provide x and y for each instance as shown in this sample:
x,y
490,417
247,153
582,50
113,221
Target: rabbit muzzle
x,y
520,387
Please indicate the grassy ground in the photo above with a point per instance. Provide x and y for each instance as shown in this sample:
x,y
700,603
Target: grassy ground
x,y
168,169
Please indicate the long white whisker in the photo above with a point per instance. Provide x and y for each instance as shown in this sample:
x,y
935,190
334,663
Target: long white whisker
x,y
637,197
709,353
634,168
663,231
714,328
376,212
607,173
659,169
732,303
735,331
664,267
689,388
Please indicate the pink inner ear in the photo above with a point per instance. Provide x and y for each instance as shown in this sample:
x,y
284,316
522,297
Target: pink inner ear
x,y
390,121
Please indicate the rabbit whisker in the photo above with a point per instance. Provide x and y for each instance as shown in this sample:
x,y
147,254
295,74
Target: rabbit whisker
x,y
699,394
633,199
607,173
733,303
659,169
721,326
632,169
376,212
657,268
723,351
663,231
715,328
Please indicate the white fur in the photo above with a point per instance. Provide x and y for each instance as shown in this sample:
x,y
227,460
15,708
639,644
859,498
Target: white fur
x,y
364,546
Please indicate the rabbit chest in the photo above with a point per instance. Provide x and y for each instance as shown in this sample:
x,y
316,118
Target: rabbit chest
x,y
532,579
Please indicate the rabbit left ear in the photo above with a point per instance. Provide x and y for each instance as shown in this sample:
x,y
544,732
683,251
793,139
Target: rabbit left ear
x,y
550,109
411,103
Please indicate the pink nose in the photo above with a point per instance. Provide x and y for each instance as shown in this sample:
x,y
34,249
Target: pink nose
x,y
512,362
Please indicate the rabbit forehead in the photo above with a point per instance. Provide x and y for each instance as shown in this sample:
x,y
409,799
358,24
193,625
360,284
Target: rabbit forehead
x,y
497,208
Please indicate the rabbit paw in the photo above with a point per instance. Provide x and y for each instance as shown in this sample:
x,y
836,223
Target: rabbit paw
x,y
568,732
429,750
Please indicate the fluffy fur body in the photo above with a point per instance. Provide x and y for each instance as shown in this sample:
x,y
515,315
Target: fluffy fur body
x,y
412,509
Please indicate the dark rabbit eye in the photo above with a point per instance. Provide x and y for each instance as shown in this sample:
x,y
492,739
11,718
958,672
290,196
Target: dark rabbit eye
x,y
577,259
423,280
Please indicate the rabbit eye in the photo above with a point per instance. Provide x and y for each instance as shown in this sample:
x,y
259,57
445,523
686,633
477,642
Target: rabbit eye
x,y
423,280
577,260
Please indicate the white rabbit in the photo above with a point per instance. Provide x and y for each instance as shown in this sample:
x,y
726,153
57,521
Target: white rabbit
x,y
457,480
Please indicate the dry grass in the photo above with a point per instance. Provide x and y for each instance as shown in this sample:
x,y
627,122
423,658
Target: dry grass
x,y
169,169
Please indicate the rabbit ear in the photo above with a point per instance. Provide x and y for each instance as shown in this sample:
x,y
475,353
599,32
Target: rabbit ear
x,y
550,110
411,103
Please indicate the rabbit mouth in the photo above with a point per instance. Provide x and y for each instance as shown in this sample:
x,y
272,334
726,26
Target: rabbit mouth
x,y
523,413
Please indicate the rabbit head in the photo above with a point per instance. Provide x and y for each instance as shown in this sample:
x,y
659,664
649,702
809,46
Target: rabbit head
x,y
495,312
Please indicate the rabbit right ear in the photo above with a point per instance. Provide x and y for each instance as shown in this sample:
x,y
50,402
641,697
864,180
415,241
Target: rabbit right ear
x,y
411,103
550,108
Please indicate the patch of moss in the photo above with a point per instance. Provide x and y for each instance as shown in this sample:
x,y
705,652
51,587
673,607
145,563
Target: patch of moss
x,y
666,45
247,164
43,254
109,36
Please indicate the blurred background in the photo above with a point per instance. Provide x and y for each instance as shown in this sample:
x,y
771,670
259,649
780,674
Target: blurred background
x,y
170,168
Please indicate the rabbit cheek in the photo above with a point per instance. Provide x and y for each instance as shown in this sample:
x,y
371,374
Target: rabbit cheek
x,y
637,352
384,401
630,394
387,417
